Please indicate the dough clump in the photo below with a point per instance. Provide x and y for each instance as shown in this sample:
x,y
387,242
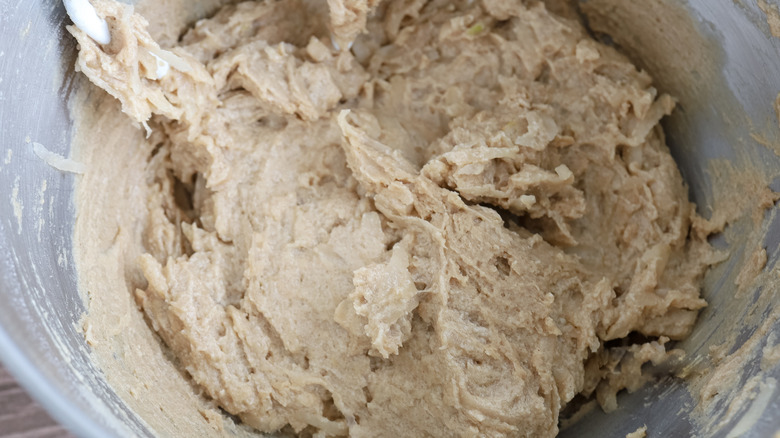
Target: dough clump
x,y
403,218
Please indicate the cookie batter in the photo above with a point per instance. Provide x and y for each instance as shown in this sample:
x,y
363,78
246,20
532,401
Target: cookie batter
x,y
403,218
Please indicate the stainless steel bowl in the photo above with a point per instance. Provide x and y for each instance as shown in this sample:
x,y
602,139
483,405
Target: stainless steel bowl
x,y
726,77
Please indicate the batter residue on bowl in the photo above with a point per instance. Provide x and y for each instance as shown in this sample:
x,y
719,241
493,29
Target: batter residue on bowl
x,y
402,218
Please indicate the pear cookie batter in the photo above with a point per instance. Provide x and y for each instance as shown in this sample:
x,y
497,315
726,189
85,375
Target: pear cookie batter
x,y
402,218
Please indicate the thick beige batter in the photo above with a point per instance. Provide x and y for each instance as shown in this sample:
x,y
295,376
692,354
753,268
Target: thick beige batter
x,y
432,231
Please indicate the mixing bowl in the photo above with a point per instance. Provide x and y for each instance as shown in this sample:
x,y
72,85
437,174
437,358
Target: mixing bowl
x,y
718,57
